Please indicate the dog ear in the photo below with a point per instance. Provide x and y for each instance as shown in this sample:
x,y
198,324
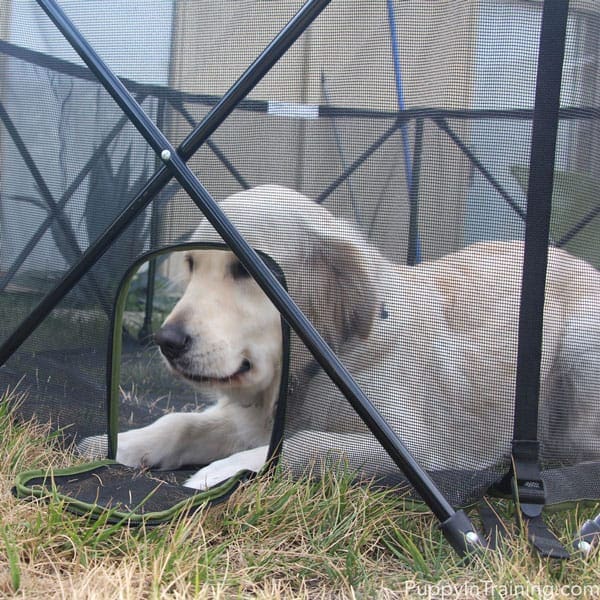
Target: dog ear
x,y
344,300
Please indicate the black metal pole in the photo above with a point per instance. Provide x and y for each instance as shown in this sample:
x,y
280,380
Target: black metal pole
x,y
313,341
240,89
145,333
442,123
356,209
389,132
412,255
268,282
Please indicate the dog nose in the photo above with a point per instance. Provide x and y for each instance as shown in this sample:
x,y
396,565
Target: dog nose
x,y
173,340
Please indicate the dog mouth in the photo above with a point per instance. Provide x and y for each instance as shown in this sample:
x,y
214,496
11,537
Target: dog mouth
x,y
234,377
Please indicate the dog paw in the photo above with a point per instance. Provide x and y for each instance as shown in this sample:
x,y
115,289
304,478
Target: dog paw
x,y
221,470
140,448
208,477
136,448
133,449
94,447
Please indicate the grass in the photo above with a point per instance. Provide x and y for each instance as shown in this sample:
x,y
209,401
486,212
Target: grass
x,y
275,538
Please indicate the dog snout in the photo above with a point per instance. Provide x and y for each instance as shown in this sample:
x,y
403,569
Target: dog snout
x,y
173,340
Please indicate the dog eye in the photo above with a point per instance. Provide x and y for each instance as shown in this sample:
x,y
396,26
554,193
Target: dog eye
x,y
238,271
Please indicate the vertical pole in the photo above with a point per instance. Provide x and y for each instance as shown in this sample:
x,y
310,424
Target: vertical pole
x,y
416,250
413,255
539,206
146,330
526,476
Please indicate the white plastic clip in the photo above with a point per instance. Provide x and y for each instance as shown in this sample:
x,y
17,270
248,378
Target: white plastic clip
x,y
472,537
584,547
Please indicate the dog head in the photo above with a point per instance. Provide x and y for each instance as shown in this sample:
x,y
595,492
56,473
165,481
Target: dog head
x,y
223,332
330,271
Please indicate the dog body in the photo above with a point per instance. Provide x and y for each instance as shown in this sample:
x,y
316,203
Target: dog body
x,y
433,346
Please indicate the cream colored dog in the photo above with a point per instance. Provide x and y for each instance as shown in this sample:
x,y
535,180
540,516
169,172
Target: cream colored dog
x,y
433,346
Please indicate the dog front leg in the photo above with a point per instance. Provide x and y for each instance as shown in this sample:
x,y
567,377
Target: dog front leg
x,y
179,439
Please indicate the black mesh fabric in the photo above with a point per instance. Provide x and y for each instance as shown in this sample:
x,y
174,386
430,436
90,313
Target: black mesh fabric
x,y
419,138
120,488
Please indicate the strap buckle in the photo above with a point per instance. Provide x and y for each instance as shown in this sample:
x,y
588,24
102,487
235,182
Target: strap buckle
x,y
529,495
524,481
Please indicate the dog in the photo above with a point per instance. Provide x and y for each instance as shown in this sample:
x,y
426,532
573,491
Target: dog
x,y
433,346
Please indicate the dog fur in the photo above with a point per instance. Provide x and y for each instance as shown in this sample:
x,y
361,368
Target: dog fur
x,y
433,346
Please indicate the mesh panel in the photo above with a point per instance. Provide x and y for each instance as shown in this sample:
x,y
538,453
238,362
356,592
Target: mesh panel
x,y
449,170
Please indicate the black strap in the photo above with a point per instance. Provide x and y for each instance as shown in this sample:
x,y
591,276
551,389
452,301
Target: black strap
x,y
526,480
539,536
493,527
537,224
525,483
542,539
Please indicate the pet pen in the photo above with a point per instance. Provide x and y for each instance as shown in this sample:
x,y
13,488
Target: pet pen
x,y
429,126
